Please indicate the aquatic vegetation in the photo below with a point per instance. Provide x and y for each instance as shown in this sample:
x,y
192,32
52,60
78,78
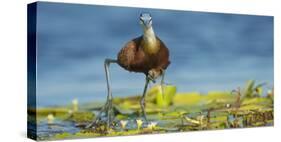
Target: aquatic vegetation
x,y
247,106
80,117
139,123
162,100
62,135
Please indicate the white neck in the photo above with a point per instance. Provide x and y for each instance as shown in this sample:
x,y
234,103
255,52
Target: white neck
x,y
149,35
150,42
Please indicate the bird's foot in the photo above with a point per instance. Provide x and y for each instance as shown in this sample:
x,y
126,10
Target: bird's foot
x,y
100,127
104,119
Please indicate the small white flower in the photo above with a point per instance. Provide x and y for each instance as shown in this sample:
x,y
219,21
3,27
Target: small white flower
x,y
228,105
70,111
75,104
152,125
50,119
123,123
139,123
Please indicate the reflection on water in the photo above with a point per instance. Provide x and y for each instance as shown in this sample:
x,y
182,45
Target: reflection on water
x,y
208,51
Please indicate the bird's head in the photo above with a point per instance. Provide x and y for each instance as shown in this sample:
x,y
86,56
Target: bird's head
x,y
146,20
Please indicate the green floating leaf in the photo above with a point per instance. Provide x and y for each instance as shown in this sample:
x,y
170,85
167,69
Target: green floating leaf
x,y
163,99
82,116
192,98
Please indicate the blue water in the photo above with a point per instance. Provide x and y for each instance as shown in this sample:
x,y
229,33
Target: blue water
x,y
208,51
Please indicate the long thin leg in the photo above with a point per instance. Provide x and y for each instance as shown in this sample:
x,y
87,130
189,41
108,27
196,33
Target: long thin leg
x,y
162,83
107,108
109,93
142,101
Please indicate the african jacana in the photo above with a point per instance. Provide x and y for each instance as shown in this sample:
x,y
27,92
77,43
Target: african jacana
x,y
145,54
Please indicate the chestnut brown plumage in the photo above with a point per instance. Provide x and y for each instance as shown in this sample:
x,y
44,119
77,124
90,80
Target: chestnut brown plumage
x,y
145,54
133,57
